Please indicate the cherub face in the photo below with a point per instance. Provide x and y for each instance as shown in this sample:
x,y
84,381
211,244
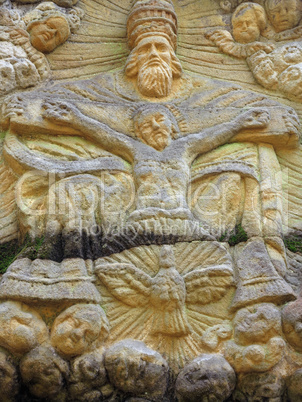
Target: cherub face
x,y
283,14
257,324
245,27
290,80
155,129
73,336
46,35
47,380
77,328
292,54
292,324
20,328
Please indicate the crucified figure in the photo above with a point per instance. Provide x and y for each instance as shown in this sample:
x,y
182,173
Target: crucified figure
x,y
159,153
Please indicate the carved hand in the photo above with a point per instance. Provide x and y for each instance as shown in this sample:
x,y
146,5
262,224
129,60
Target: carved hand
x,y
292,123
253,118
60,112
11,107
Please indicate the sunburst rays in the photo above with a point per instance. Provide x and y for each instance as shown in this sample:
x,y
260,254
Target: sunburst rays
x,y
137,322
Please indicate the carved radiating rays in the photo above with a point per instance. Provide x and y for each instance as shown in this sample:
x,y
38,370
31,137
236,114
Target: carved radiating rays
x,y
100,44
166,295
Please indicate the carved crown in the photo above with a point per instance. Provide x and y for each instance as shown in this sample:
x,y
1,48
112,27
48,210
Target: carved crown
x,y
152,17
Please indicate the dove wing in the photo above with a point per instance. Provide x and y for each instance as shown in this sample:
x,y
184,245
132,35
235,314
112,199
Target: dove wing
x,y
127,283
208,285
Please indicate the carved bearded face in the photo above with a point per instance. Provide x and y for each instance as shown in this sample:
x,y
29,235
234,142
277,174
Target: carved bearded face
x,y
154,64
155,130
283,14
153,58
46,35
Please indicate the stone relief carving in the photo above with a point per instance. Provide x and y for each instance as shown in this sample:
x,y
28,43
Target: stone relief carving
x,y
257,344
78,328
61,3
284,17
21,65
135,182
49,25
22,327
257,36
44,372
170,296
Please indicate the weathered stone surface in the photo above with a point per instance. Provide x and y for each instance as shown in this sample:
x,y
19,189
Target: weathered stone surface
x,y
257,323
293,384
292,323
21,327
49,281
208,377
257,345
165,289
134,368
261,282
45,373
9,380
156,190
87,377
49,25
79,328
254,26
259,386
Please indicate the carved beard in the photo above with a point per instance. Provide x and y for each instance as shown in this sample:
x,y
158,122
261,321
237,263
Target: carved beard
x,y
155,80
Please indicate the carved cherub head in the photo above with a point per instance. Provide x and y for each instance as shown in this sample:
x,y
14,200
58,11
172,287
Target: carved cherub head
x,y
248,21
257,323
292,323
290,81
78,328
289,54
44,372
153,43
50,26
155,125
9,381
21,328
283,14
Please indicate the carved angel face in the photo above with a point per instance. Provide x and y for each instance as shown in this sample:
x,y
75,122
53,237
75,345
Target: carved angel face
x,y
257,324
21,328
245,27
47,377
283,14
290,80
48,34
43,371
292,324
292,54
77,328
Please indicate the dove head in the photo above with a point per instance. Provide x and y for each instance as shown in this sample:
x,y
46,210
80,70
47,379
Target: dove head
x,y
166,257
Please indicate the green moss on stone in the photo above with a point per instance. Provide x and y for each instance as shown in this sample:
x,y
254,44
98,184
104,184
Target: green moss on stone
x,y
237,235
9,252
294,243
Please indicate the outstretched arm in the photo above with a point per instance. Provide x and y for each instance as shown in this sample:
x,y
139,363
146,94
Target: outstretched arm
x,y
216,136
68,115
